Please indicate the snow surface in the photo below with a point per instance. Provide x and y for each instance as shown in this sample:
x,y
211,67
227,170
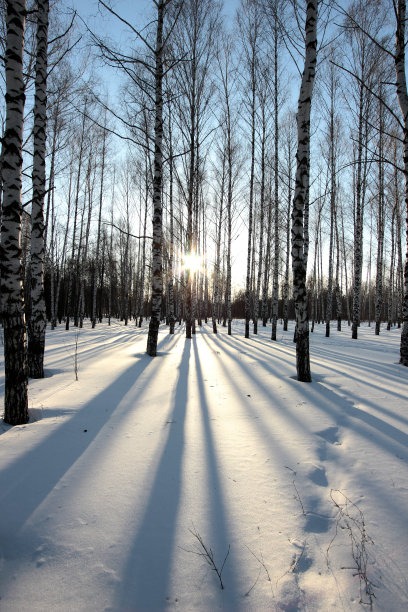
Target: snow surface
x,y
107,492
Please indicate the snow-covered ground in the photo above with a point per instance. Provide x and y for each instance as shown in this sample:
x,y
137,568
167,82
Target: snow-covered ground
x,y
111,492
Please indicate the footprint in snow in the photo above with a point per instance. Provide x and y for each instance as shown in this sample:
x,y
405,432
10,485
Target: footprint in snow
x,y
317,523
330,436
318,476
315,473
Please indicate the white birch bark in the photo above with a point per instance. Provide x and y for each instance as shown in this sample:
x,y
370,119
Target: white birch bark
x,y
171,245
157,254
229,225
289,205
402,94
380,226
261,221
250,29
250,215
37,323
148,174
88,193
216,289
275,281
300,204
98,237
71,263
332,163
265,283
338,286
12,307
390,310
359,217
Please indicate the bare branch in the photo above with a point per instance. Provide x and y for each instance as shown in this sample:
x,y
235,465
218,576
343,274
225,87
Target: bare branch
x,y
125,232
53,40
370,91
108,8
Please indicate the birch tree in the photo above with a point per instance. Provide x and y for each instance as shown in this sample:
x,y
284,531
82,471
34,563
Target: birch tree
x,y
380,221
219,212
402,93
249,22
333,86
275,282
12,307
157,253
227,78
300,203
37,324
289,146
98,236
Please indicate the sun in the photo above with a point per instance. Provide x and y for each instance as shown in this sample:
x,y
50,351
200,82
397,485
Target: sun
x,y
192,262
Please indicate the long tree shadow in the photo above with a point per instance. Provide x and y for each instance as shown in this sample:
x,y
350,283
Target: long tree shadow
x,y
339,407
348,417
220,529
27,481
100,343
376,367
150,558
379,431
344,414
283,454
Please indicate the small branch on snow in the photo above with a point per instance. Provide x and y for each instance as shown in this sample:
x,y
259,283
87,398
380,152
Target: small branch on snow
x,y
208,555
351,519
297,496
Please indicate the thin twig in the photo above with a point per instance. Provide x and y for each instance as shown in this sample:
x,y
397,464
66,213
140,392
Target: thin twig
x,y
208,555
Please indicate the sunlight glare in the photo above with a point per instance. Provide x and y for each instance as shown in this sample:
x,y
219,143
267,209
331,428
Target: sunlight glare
x,y
192,262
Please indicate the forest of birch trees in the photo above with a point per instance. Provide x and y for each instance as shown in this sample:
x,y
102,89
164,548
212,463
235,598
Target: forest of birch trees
x,y
201,166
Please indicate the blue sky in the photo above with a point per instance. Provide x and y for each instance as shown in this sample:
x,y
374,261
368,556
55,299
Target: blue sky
x,y
137,12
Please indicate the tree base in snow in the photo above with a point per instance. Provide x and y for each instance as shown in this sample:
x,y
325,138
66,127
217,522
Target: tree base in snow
x,y
303,357
404,345
152,337
15,365
36,347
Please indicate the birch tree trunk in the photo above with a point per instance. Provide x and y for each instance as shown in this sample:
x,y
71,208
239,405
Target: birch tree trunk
x,y
157,255
216,289
147,173
73,251
228,298
251,30
338,286
265,284
171,245
343,246
98,237
391,278
37,324
12,307
329,306
261,220
205,264
111,260
275,282
89,193
315,288
359,213
289,205
300,203
402,94
380,225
